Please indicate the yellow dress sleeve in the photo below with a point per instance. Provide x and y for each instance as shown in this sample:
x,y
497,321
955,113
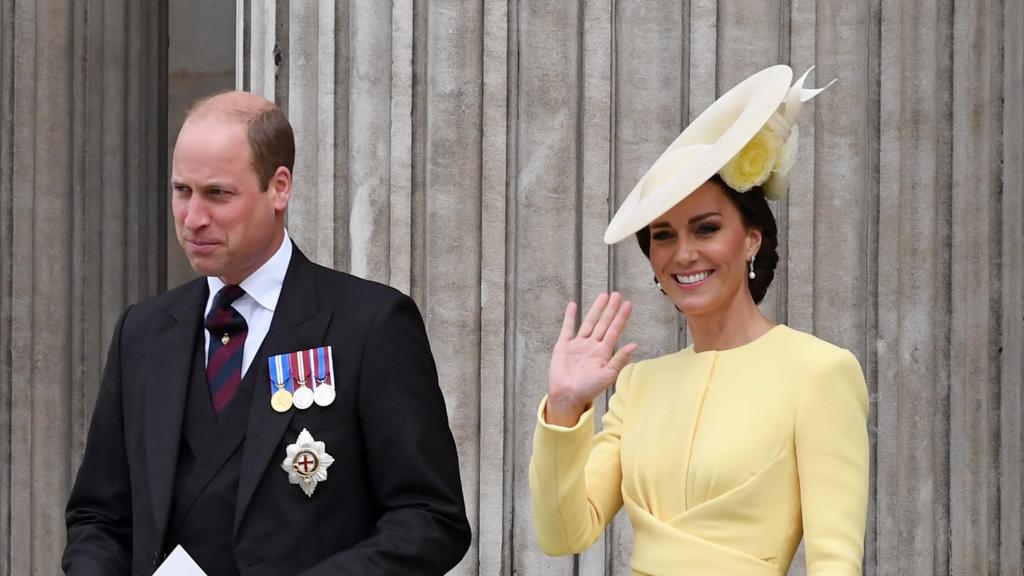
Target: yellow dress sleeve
x,y
832,462
576,477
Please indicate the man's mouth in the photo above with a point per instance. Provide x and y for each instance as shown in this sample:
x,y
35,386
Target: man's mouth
x,y
200,246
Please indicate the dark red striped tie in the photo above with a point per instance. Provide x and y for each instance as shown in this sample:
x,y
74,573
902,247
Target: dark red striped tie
x,y
227,341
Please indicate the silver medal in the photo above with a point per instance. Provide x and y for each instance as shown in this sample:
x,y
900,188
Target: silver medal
x,y
303,397
324,394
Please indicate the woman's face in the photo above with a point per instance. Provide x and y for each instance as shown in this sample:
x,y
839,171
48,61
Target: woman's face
x,y
700,249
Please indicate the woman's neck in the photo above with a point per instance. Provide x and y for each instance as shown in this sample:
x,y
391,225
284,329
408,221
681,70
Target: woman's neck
x,y
738,323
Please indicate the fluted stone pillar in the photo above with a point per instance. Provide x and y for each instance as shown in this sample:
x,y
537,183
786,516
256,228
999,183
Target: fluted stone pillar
x,y
1010,362
81,214
471,154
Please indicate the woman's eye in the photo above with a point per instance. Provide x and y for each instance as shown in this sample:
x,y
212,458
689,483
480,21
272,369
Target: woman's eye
x,y
662,235
707,229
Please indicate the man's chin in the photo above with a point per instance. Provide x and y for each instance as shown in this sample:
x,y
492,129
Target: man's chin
x,y
204,267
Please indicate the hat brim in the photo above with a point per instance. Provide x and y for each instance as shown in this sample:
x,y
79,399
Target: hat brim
x,y
702,150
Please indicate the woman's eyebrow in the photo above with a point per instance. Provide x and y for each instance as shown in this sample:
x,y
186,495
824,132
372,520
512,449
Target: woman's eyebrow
x,y
703,216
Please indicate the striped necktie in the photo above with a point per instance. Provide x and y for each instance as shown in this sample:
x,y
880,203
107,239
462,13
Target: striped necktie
x,y
227,341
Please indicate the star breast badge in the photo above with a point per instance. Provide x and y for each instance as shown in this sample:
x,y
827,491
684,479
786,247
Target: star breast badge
x,y
306,462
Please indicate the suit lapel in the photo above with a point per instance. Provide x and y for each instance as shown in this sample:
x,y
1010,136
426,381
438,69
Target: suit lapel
x,y
166,387
297,325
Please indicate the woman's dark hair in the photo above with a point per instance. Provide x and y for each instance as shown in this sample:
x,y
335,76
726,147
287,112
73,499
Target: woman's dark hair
x,y
756,213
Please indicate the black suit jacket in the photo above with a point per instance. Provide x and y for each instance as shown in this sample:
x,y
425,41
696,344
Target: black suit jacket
x,y
392,502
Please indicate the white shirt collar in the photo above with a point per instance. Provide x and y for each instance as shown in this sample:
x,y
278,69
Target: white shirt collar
x,y
263,285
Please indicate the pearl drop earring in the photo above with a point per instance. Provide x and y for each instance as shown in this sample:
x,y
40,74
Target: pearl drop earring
x,y
658,284
751,275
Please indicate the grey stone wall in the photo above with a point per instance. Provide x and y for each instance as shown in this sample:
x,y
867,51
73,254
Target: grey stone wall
x,y
200,63
471,153
82,229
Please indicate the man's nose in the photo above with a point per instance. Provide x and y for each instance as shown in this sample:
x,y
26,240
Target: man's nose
x,y
196,214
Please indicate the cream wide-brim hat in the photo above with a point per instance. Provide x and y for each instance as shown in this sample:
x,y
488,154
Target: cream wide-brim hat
x,y
763,101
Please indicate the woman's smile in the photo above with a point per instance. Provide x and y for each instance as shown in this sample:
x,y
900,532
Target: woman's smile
x,y
693,279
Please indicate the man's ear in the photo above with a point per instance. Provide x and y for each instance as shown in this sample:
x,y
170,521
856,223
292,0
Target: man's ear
x,y
281,187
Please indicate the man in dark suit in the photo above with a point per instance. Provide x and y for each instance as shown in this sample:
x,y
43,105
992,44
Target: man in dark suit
x,y
185,447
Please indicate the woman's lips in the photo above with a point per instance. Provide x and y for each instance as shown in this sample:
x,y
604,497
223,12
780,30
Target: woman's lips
x,y
693,279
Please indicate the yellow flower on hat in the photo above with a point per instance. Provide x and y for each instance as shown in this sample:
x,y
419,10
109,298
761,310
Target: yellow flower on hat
x,y
776,186
754,163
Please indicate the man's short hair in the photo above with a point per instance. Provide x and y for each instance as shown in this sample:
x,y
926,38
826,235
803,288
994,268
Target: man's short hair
x,y
270,135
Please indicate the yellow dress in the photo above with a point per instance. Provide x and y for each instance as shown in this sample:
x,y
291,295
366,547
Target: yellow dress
x,y
723,459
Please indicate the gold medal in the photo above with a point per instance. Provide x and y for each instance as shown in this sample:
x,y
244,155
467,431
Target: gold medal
x,y
281,401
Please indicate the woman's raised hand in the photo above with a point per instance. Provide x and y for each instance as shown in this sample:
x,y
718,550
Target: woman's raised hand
x,y
586,363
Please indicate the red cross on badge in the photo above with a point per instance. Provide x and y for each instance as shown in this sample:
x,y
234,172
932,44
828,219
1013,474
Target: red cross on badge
x,y
305,463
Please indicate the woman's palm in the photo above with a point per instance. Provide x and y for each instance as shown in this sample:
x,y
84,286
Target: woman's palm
x,y
585,364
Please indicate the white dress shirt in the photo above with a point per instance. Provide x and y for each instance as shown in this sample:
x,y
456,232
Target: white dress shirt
x,y
257,305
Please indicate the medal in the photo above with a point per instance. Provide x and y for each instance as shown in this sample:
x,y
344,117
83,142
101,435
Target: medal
x,y
280,385
306,462
281,401
324,395
324,374
303,397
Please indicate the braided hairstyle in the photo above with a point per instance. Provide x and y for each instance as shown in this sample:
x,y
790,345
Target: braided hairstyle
x,y
756,213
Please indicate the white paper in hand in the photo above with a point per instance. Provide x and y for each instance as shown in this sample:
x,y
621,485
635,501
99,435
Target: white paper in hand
x,y
179,563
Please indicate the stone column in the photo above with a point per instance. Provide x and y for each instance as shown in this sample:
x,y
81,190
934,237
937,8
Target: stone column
x,y
1011,322
82,219
913,303
975,412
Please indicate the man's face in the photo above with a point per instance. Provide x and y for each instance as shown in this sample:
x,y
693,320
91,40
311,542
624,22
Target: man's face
x,y
226,224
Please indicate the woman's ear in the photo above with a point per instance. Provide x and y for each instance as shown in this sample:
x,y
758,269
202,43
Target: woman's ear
x,y
753,242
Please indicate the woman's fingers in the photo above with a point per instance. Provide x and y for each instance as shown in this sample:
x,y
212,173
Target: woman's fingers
x,y
618,323
568,322
587,326
621,358
606,315
615,330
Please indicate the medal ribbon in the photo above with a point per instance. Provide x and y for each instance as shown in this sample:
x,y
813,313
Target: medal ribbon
x,y
282,371
321,368
298,365
329,369
303,375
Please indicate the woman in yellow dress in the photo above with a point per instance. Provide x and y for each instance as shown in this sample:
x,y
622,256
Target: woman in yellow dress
x,y
726,453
